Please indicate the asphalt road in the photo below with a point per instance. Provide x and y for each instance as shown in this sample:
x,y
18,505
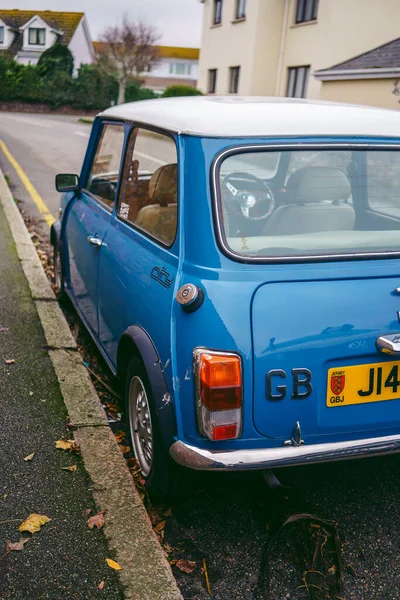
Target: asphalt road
x,y
228,519
43,145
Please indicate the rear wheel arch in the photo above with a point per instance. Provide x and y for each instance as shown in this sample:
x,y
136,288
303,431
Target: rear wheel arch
x,y
135,341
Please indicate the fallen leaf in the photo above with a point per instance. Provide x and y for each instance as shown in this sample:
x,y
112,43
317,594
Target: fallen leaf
x,y
187,566
4,329
167,513
9,361
101,585
71,468
125,449
332,570
66,445
16,545
33,523
160,526
96,521
29,457
113,565
86,513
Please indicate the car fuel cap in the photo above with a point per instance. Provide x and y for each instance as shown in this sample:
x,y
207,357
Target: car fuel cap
x,y
190,297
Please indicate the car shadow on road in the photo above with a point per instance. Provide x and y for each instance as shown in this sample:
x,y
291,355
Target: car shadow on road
x,y
229,519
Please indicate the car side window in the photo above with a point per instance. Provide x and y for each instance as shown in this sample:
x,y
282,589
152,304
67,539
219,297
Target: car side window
x,y
149,197
103,178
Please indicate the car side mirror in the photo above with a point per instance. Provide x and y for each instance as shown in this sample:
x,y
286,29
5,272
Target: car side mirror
x,y
67,183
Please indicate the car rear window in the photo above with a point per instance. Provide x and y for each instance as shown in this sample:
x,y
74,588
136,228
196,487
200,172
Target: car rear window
x,y
309,203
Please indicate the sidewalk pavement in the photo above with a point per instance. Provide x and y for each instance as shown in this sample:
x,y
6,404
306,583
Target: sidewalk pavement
x,y
65,559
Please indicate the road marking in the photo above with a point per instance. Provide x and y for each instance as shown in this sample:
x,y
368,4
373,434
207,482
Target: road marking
x,y
156,160
86,135
34,194
44,124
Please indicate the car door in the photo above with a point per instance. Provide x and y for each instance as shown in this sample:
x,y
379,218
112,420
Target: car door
x,y
88,218
139,259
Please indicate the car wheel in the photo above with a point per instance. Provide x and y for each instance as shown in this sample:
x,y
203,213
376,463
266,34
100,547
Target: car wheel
x,y
58,274
159,471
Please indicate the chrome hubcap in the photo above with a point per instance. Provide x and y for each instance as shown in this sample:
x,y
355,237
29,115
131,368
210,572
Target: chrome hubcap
x,y
57,272
140,425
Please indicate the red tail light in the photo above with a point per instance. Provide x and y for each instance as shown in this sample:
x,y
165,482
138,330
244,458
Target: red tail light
x,y
218,393
225,432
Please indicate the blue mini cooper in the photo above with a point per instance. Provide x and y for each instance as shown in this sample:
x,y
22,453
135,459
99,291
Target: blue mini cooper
x,y
236,261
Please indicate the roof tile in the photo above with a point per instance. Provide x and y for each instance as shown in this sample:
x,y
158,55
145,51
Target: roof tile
x,y
385,56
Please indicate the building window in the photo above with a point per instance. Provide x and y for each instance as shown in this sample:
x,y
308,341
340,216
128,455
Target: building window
x,y
306,10
217,16
37,37
234,80
297,82
180,69
240,9
212,80
1,35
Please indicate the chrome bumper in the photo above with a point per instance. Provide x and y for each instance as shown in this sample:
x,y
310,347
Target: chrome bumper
x,y
285,456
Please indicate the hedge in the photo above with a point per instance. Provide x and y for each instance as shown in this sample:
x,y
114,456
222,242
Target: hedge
x,y
180,90
44,84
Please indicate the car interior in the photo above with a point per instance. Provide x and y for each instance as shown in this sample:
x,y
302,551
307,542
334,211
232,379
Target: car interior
x,y
327,201
149,201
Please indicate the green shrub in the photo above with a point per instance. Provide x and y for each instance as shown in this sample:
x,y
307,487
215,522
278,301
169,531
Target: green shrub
x,y
55,59
93,89
134,93
180,90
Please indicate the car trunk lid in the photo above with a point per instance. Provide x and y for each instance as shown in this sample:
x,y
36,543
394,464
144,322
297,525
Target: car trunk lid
x,y
310,340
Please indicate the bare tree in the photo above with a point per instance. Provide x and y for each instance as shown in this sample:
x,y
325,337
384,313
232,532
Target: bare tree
x,y
129,50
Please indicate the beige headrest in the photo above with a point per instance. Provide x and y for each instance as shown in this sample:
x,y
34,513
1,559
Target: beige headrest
x,y
163,185
314,184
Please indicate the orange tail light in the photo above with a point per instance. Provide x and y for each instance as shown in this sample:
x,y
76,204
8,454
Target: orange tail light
x,y
218,393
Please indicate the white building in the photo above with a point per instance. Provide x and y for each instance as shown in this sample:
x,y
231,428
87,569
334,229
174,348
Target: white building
x,y
291,47
26,34
176,66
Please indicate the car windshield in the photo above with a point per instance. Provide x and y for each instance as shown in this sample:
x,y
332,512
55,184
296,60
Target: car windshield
x,y
293,203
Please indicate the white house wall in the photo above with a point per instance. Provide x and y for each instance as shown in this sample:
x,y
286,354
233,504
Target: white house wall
x,y
265,49
230,44
81,47
8,36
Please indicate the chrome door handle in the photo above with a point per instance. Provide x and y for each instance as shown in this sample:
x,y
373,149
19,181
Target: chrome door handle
x,y
389,344
95,241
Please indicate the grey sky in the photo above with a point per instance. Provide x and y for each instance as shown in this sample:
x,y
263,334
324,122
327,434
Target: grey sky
x,y
178,21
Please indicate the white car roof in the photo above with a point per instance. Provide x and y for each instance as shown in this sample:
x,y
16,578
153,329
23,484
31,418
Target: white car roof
x,y
251,116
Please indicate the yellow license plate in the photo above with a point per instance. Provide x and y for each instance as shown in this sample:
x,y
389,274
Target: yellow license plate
x,y
363,383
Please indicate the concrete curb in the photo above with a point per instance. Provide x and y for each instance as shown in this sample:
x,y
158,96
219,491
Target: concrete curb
x,y
146,573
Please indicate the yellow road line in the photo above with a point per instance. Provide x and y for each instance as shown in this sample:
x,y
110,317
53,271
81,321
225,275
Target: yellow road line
x,y
34,194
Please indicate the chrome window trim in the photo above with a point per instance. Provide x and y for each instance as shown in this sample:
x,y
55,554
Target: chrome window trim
x,y
298,258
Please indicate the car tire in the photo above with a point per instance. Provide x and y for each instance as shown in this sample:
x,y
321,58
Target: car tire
x,y
58,274
160,472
